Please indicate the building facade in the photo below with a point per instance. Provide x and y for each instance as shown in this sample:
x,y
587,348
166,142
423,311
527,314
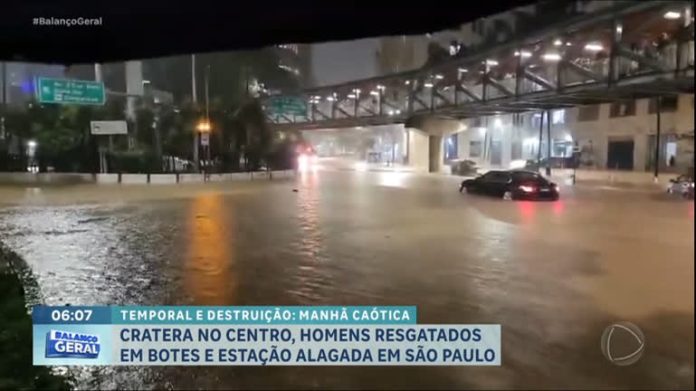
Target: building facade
x,y
619,135
297,60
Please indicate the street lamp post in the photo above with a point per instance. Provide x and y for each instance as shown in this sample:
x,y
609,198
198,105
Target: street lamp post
x,y
3,74
207,111
195,100
204,126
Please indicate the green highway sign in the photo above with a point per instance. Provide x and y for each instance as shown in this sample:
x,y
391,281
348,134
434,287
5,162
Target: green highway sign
x,y
66,91
287,105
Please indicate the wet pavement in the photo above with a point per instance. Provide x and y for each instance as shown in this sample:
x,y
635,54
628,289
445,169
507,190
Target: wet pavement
x,y
553,274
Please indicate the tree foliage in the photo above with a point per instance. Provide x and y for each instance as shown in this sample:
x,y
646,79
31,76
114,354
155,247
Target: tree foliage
x,y
62,132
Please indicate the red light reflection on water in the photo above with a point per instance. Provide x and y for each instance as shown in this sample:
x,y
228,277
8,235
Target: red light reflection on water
x,y
527,210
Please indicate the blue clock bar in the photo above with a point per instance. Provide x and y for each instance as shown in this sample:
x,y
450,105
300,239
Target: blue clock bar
x,y
71,315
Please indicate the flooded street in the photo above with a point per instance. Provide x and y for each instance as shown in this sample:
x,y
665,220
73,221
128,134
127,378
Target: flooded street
x,y
554,275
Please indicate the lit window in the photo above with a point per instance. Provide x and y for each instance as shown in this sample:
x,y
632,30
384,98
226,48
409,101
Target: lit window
x,y
558,117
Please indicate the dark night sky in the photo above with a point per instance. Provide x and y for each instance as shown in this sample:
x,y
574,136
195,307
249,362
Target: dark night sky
x,y
336,62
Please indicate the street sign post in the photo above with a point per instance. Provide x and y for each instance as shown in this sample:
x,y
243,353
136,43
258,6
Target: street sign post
x,y
108,127
287,105
66,91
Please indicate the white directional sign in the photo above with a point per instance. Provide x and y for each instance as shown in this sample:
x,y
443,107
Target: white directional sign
x,y
205,139
108,127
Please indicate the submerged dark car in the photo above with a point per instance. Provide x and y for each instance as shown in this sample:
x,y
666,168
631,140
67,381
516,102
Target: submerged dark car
x,y
512,185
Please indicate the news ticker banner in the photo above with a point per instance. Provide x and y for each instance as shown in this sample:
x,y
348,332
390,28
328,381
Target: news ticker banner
x,y
256,336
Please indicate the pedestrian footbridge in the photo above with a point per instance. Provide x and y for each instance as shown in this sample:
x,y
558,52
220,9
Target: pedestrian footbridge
x,y
629,51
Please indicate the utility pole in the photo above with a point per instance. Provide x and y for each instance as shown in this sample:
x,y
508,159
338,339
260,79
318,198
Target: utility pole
x,y
103,165
195,100
207,109
541,132
3,106
658,103
548,143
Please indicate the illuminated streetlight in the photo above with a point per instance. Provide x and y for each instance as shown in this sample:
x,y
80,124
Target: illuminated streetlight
x,y
351,96
203,126
439,77
551,57
398,112
374,93
381,87
557,42
462,70
523,54
428,85
672,15
31,144
491,63
594,47
407,82
330,98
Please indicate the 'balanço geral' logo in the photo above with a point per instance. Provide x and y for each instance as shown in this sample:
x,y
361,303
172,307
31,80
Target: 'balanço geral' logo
x,y
68,344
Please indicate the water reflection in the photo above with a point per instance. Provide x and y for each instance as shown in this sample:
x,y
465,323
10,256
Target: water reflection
x,y
312,274
392,179
208,275
527,210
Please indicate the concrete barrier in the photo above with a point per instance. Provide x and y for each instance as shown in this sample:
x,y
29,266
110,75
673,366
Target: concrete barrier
x,y
259,175
162,179
190,178
282,174
133,179
107,179
612,177
239,176
27,178
45,178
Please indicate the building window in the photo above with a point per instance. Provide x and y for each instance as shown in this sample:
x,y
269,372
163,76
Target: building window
x,y
588,113
561,148
474,149
668,105
558,117
292,48
536,120
623,109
